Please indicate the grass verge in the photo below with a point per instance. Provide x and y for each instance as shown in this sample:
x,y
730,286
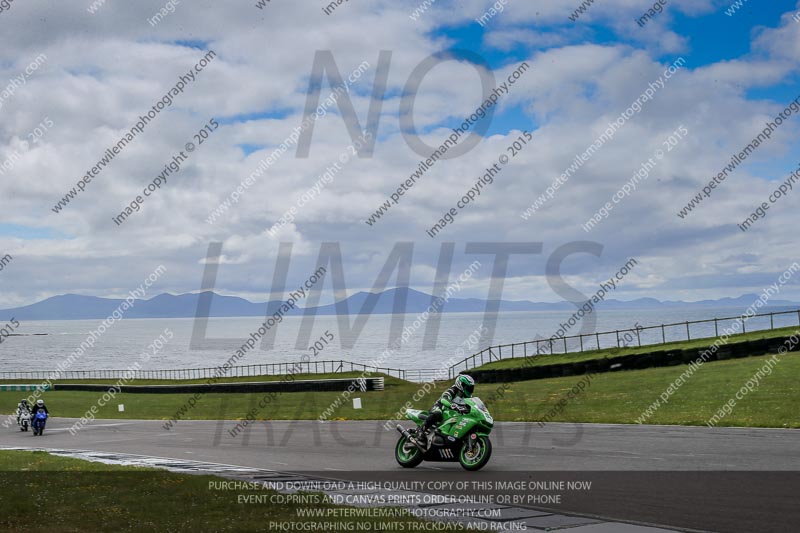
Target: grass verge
x,y
75,495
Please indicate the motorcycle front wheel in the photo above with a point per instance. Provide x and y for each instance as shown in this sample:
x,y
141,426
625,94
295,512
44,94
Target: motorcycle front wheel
x,y
482,451
407,454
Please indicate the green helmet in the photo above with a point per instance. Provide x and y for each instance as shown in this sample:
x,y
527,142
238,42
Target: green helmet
x,y
466,385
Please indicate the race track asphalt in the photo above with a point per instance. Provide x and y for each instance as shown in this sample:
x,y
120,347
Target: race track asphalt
x,y
688,478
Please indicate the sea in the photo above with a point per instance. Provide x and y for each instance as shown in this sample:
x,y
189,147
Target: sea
x,y
41,345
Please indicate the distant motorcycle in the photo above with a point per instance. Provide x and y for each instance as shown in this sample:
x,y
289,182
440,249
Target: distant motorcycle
x,y
39,421
24,420
463,436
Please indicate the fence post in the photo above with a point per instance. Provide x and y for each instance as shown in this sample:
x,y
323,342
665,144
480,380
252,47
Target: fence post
x,y
688,336
581,339
771,323
638,338
617,332
597,336
716,328
565,345
663,335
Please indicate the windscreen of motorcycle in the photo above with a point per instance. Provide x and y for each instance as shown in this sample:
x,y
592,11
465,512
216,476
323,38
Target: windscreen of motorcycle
x,y
480,405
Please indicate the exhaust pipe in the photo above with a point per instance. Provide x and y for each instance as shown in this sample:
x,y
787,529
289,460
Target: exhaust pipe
x,y
409,437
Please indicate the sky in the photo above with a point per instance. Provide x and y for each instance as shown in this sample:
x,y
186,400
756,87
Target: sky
x,y
101,66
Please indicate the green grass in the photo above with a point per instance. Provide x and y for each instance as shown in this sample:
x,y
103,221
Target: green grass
x,y
621,397
610,353
77,495
611,397
287,406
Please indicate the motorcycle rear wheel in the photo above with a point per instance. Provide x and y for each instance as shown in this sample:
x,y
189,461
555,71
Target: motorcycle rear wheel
x,y
407,454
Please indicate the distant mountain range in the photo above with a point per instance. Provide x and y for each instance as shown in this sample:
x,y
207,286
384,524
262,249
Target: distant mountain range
x,y
76,307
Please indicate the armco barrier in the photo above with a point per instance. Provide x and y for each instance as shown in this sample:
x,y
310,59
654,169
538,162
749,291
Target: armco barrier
x,y
630,362
22,388
323,385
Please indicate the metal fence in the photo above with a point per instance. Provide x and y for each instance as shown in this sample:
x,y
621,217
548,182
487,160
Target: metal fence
x,y
267,369
650,335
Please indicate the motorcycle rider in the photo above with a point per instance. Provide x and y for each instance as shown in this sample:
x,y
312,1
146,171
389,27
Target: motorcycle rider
x,y
40,405
23,407
462,388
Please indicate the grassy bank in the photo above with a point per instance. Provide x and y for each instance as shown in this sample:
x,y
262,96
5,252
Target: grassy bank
x,y
611,353
76,495
617,397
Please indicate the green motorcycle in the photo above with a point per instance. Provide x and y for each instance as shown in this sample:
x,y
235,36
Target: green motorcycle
x,y
462,436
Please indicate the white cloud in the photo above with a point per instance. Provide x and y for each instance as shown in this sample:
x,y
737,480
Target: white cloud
x,y
104,70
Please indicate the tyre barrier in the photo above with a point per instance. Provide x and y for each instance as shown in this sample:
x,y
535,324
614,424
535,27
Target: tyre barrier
x,y
640,361
322,385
